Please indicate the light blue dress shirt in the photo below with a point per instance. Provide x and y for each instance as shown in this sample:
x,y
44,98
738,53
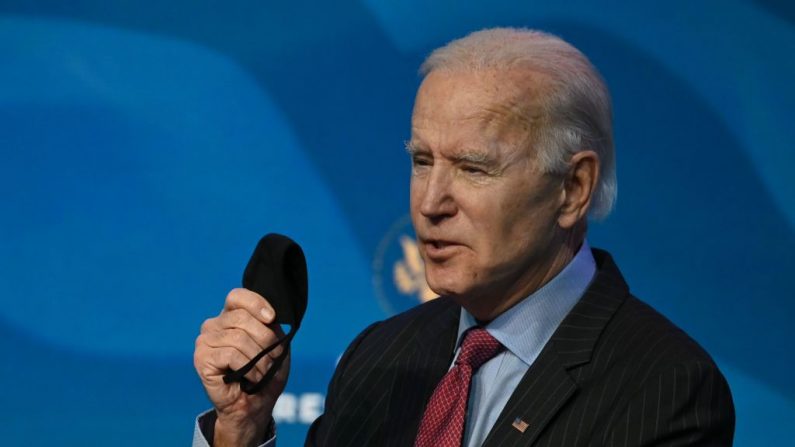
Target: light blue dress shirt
x,y
523,329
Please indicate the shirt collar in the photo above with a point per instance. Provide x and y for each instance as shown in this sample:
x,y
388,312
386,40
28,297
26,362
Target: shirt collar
x,y
525,328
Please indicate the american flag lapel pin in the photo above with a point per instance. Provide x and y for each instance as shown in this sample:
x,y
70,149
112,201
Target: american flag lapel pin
x,y
520,425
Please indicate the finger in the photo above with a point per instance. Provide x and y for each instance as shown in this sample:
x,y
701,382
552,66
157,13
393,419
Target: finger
x,y
257,372
264,336
209,325
225,359
213,363
234,338
260,309
255,304
206,355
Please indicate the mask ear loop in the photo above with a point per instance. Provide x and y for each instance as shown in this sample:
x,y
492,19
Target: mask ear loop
x,y
252,388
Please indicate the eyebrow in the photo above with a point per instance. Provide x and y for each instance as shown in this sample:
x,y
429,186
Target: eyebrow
x,y
484,160
475,157
410,147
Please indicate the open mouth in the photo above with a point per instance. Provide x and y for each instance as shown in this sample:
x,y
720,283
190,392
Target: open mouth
x,y
437,249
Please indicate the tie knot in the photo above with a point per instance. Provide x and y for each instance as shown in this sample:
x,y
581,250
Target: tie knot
x,y
478,348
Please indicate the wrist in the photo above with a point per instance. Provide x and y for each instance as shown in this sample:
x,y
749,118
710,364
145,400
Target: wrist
x,y
236,432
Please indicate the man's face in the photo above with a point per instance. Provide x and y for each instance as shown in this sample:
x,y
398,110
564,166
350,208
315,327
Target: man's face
x,y
484,214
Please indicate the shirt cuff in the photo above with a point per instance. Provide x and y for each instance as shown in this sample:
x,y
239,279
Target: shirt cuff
x,y
204,431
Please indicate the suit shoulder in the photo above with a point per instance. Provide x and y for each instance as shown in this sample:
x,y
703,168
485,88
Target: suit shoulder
x,y
644,341
659,373
635,332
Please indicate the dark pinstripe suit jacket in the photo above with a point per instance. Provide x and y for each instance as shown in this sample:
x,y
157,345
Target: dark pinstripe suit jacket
x,y
615,373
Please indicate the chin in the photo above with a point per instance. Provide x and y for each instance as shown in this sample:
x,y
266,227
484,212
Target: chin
x,y
439,287
445,282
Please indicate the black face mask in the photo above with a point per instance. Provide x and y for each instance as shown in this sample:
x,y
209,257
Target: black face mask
x,y
277,271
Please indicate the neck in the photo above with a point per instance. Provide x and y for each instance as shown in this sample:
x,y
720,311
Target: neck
x,y
489,306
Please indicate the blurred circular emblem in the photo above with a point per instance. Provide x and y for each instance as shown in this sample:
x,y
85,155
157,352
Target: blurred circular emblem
x,y
398,270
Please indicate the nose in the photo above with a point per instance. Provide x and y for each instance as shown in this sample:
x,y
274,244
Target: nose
x,y
436,199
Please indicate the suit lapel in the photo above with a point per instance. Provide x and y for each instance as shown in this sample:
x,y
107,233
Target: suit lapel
x,y
548,384
541,393
418,373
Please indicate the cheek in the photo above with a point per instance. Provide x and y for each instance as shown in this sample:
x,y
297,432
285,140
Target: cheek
x,y
508,226
416,190
532,228
495,215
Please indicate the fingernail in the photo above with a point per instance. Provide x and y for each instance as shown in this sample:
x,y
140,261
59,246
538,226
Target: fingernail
x,y
266,313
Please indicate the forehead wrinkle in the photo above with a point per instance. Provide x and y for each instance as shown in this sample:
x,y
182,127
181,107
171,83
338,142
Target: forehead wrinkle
x,y
518,103
506,114
511,126
513,115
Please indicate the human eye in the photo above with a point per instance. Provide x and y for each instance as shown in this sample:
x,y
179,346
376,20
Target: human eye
x,y
475,164
474,170
420,162
420,157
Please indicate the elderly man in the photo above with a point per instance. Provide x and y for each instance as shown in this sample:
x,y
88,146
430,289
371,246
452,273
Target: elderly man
x,y
535,339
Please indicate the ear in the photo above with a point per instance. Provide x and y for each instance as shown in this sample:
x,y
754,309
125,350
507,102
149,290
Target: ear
x,y
579,186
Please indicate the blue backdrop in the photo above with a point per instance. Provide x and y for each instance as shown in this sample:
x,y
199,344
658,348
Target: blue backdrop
x,y
146,146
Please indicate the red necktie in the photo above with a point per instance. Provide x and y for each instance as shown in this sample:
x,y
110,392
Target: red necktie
x,y
443,422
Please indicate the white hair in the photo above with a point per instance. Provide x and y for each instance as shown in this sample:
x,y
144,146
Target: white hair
x,y
577,109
